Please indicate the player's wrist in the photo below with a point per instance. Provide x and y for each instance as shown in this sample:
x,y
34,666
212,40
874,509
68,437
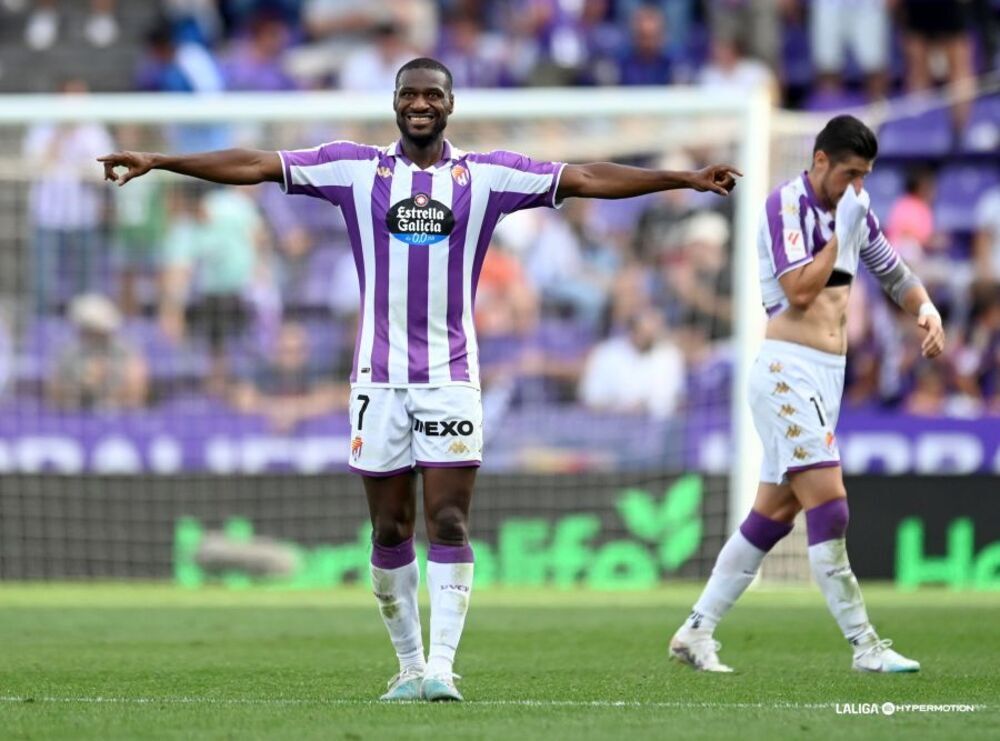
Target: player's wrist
x,y
683,178
927,308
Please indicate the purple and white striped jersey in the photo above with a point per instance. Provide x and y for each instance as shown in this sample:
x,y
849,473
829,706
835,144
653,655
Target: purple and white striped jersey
x,y
795,227
419,238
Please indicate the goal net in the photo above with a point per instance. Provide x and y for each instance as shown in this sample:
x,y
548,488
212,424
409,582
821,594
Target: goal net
x,y
173,354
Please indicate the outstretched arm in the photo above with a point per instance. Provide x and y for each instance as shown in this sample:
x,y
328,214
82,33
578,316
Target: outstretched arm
x,y
608,180
227,166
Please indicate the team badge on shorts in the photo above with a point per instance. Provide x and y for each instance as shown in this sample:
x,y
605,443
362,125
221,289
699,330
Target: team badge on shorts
x,y
461,175
356,445
831,440
458,448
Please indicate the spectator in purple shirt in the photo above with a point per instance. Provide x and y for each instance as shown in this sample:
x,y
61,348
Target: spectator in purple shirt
x,y
644,61
255,63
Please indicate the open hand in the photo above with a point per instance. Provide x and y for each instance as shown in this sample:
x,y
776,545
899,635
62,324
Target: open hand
x,y
138,163
933,344
719,179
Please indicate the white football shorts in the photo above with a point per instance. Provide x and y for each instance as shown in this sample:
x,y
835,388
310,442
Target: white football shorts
x,y
795,393
395,429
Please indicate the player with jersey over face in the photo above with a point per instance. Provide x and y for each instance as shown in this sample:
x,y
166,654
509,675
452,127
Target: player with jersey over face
x,y
420,213
814,232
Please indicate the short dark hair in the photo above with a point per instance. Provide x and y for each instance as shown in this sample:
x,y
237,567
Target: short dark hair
x,y
845,135
425,63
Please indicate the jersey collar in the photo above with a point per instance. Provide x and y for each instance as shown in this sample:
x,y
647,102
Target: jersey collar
x,y
811,194
447,153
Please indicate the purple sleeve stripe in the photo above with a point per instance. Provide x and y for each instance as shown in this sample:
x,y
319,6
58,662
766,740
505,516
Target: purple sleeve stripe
x,y
515,161
304,157
331,152
873,227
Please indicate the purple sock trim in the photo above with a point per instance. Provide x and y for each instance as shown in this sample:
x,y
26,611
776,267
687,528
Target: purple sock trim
x,y
393,556
450,553
763,532
827,521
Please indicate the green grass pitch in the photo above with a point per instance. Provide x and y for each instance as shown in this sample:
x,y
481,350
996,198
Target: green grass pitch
x,y
154,662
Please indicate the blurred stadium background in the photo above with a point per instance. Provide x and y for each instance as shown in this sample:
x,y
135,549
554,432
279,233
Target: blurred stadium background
x,y
173,356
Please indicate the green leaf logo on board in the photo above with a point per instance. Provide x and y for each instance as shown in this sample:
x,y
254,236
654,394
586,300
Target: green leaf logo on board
x,y
673,525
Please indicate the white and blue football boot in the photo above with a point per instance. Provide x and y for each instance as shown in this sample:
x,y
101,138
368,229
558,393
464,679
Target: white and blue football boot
x,y
405,686
878,656
440,688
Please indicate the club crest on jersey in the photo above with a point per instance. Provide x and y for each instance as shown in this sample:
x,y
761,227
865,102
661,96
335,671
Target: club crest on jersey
x,y
461,175
420,220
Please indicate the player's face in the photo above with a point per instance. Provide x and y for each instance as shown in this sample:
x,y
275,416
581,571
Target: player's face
x,y
839,175
423,103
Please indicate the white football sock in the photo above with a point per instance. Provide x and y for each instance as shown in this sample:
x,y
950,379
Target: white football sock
x,y
396,592
734,570
833,574
450,586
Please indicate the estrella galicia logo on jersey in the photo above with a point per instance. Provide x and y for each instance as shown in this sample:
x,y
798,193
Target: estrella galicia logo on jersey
x,y
420,220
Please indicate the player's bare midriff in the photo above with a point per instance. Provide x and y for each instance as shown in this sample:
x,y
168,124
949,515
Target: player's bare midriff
x,y
822,326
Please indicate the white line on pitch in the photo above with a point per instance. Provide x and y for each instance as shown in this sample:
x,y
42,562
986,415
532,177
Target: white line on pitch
x,y
335,701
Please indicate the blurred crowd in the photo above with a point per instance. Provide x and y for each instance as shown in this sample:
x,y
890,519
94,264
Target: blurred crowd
x,y
168,287
818,54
